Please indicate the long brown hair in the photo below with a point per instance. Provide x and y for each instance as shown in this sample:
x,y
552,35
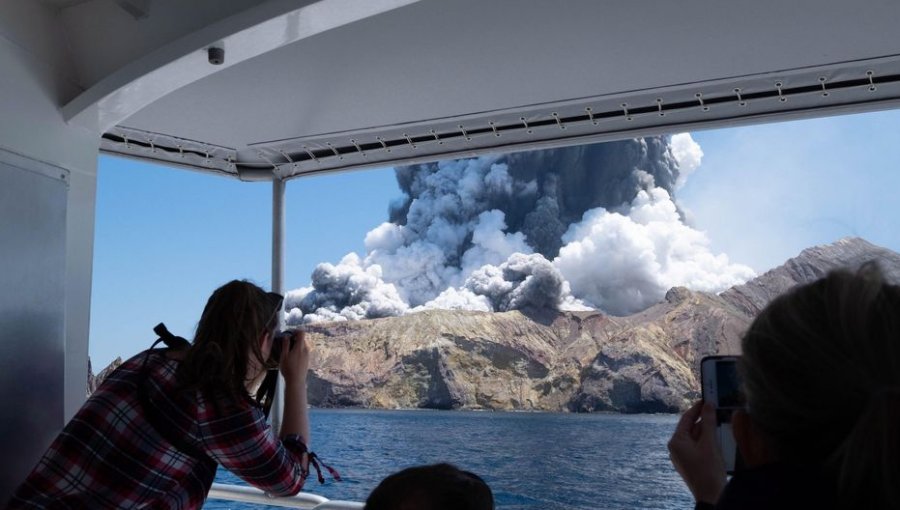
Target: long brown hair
x,y
236,315
821,368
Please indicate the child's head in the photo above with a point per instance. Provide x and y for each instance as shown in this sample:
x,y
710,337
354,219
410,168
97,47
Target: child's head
x,y
435,487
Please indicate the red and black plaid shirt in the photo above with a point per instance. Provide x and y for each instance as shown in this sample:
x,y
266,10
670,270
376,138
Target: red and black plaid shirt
x,y
110,456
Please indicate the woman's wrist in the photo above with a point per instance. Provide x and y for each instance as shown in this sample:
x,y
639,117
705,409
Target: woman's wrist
x,y
296,381
709,492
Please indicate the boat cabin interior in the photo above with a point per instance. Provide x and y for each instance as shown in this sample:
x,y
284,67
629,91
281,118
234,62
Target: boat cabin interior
x,y
274,90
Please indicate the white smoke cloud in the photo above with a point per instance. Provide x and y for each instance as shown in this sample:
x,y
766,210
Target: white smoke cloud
x,y
688,154
457,299
623,263
420,269
570,303
491,244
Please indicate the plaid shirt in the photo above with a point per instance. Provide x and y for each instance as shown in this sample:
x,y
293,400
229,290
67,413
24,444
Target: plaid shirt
x,y
110,456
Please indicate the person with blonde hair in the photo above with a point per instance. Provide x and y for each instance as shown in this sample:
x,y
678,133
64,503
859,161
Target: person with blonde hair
x,y
821,427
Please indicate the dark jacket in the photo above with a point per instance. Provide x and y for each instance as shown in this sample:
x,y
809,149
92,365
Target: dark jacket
x,y
776,487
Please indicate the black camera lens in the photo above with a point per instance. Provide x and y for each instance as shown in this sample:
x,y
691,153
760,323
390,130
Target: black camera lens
x,y
281,342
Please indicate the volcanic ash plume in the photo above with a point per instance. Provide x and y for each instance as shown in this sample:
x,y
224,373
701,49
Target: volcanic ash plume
x,y
345,291
591,226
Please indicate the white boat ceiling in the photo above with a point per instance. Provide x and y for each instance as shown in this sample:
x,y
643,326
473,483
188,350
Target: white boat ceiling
x,y
310,87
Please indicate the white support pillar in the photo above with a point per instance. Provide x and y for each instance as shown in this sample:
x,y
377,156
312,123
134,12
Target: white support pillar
x,y
278,187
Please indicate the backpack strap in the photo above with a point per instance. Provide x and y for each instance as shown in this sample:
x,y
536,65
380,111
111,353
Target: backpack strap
x,y
265,395
171,341
151,413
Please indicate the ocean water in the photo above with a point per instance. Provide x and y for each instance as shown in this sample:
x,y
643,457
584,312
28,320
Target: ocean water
x,y
532,461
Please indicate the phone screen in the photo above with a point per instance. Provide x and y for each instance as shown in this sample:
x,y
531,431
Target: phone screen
x,y
728,387
722,388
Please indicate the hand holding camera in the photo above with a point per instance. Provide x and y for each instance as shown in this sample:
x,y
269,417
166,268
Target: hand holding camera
x,y
696,455
702,447
291,350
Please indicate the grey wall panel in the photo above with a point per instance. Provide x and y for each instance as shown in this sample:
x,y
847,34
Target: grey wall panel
x,y
32,315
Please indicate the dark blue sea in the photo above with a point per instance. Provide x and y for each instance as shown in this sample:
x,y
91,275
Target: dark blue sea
x,y
532,461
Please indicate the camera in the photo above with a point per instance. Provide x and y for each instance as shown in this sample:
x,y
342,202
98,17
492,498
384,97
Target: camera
x,y
282,341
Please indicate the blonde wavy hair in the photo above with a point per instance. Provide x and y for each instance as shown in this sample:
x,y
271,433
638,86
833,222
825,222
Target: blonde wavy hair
x,y
821,370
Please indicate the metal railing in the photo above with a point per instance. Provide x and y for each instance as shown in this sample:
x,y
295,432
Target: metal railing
x,y
303,500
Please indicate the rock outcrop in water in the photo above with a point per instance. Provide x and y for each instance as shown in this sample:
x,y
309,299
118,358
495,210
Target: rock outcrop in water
x,y
94,381
570,361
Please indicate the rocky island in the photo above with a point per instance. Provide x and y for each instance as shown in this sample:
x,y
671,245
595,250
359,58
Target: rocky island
x,y
567,361
560,361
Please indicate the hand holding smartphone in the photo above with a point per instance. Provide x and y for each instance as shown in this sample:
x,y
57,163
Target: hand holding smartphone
x,y
721,387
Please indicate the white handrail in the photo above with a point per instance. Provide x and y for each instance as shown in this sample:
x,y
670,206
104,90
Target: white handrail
x,y
303,500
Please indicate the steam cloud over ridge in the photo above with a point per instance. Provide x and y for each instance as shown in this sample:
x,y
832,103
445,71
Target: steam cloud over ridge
x,y
592,226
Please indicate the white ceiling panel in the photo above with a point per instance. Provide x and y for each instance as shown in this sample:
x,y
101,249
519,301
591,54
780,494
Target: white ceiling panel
x,y
440,78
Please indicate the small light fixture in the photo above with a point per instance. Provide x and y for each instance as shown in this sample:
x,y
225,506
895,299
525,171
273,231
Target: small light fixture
x,y
216,55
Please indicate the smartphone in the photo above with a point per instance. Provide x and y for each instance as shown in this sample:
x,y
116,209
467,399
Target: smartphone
x,y
722,388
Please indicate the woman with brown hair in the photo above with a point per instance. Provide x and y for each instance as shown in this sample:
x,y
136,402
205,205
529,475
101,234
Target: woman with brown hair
x,y
155,431
821,427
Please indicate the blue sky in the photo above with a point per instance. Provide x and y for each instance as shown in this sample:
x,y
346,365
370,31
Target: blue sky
x,y
166,238
764,193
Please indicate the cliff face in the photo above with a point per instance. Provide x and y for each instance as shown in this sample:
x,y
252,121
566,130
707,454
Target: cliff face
x,y
650,364
578,361
572,361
